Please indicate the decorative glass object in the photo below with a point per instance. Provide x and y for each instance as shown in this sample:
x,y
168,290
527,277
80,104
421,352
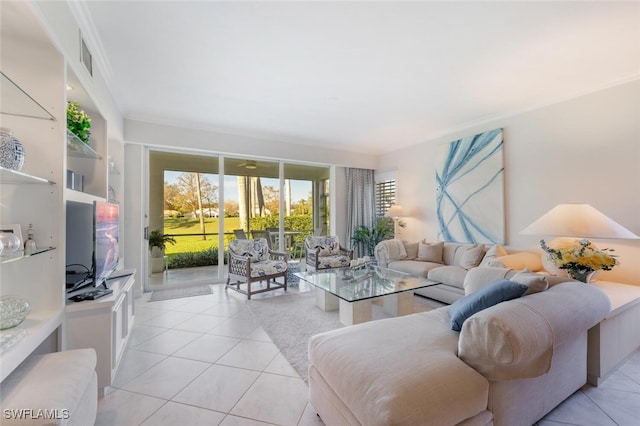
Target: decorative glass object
x,y
11,150
8,339
30,244
10,241
13,310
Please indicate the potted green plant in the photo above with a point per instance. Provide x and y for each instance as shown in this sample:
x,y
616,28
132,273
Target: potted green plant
x,y
157,243
78,122
367,237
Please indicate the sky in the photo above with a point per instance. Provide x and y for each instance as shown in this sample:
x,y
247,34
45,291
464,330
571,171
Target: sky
x,y
300,190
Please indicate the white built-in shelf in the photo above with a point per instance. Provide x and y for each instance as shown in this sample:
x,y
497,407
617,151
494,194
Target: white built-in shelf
x,y
21,255
16,101
80,197
39,324
13,177
77,148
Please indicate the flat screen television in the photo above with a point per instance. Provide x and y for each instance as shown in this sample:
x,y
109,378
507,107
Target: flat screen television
x,y
106,233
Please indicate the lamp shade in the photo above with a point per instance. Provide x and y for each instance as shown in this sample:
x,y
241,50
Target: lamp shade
x,y
395,211
578,220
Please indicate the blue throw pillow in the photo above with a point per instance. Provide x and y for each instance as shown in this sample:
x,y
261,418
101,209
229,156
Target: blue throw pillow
x,y
494,293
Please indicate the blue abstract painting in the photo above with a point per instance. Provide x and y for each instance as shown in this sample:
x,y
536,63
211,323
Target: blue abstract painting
x,y
470,193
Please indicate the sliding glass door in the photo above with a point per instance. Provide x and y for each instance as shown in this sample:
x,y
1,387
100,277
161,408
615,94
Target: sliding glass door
x,y
205,201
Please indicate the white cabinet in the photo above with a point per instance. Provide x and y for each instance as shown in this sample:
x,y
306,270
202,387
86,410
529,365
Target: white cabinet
x,y
616,337
105,325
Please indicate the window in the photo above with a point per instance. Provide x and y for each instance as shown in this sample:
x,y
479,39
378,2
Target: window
x,y
385,196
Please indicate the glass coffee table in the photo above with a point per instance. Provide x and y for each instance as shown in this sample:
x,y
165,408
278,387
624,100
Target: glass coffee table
x,y
352,292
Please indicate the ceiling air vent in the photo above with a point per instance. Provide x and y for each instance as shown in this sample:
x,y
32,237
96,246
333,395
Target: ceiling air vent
x,y
85,56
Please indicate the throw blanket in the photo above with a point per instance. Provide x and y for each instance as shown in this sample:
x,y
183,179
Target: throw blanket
x,y
389,250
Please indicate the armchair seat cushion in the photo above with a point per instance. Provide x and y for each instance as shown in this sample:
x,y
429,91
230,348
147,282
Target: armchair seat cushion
x,y
267,267
338,261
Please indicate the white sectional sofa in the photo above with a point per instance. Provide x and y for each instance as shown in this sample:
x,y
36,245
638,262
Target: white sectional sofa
x,y
510,365
448,263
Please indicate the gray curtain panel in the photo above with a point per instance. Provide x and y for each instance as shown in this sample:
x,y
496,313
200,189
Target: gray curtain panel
x,y
361,204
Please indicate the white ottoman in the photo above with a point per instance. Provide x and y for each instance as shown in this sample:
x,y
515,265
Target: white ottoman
x,y
57,388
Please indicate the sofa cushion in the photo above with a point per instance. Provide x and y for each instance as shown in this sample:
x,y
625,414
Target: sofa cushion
x,y
494,293
430,252
472,256
479,277
495,251
413,267
385,371
518,261
535,282
450,275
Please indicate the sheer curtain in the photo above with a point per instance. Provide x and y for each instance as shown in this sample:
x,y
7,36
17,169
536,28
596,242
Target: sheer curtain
x,y
361,203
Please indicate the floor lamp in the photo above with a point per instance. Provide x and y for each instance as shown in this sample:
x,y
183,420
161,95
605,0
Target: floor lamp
x,y
395,211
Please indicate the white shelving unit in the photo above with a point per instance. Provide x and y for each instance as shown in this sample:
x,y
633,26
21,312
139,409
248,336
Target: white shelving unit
x,y
35,78
31,83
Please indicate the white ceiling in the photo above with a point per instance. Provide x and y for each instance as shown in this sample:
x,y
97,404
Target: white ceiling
x,y
362,76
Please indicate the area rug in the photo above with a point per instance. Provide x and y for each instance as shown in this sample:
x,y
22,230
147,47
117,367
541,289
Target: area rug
x,y
178,292
291,319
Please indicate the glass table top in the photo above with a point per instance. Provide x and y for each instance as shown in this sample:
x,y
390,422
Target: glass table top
x,y
368,283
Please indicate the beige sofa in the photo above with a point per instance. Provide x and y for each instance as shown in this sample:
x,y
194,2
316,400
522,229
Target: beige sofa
x,y
448,263
510,365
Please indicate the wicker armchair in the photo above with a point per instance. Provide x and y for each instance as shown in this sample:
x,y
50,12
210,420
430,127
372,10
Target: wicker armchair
x,y
326,253
252,261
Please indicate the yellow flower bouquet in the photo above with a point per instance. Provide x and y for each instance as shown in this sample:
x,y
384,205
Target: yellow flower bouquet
x,y
582,259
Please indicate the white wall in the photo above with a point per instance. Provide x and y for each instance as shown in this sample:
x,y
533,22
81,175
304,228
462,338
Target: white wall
x,y
583,150
160,135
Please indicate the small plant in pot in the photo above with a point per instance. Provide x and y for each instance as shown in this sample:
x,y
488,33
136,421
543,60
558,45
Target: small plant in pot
x,y
78,122
368,237
159,240
157,243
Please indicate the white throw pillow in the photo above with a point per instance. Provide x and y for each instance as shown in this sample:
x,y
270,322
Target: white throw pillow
x,y
535,282
430,252
472,256
495,251
411,249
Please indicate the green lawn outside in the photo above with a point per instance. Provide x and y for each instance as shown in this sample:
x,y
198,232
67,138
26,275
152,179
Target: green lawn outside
x,y
194,243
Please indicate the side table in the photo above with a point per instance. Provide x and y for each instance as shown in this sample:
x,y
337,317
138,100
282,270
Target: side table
x,y
293,266
617,336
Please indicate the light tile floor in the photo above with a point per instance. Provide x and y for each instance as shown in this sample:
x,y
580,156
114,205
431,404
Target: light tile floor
x,y
206,361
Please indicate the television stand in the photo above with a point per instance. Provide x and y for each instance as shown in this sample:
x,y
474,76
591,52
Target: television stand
x,y
103,324
91,295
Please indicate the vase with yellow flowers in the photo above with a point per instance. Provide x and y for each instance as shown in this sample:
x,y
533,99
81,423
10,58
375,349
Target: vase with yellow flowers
x,y
581,261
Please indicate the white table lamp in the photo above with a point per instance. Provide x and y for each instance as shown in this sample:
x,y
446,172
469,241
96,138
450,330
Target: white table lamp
x,y
572,222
